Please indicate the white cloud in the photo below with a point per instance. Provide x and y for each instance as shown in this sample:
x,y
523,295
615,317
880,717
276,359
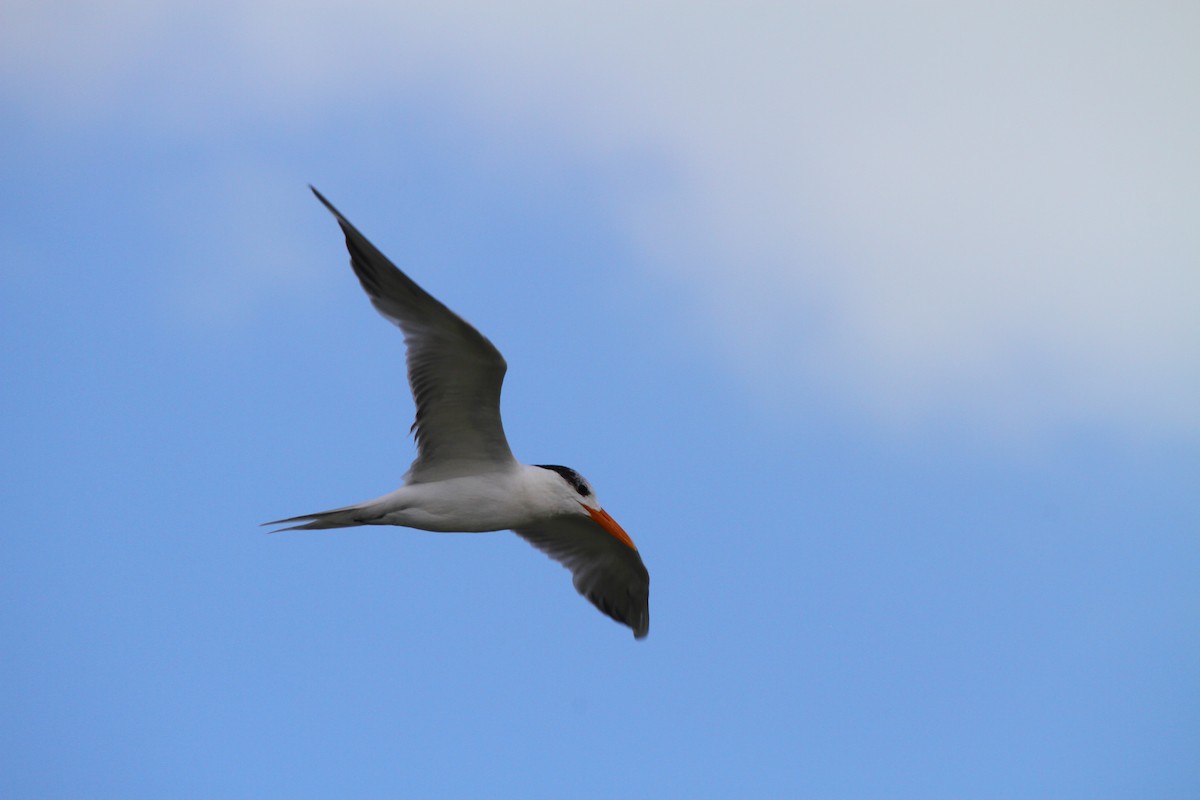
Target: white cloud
x,y
987,211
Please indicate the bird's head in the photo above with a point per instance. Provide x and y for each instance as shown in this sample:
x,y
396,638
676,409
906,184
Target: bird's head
x,y
576,496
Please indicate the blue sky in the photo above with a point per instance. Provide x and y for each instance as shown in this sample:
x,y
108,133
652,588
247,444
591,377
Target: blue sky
x,y
876,330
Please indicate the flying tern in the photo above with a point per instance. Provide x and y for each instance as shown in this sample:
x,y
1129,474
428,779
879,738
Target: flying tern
x,y
465,477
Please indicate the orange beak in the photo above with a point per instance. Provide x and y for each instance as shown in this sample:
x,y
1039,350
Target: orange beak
x,y
609,524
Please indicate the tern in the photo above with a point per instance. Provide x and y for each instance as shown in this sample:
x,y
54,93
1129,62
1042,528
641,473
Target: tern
x,y
465,478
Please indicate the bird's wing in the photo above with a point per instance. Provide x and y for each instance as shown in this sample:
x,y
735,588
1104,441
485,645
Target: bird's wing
x,y
604,569
454,372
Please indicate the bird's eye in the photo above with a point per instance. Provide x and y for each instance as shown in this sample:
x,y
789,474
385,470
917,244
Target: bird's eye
x,y
573,478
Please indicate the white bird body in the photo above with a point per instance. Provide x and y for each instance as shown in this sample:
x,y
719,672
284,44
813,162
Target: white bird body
x,y
492,501
465,478
471,504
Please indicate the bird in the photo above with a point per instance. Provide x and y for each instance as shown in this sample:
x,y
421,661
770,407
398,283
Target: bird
x,y
465,478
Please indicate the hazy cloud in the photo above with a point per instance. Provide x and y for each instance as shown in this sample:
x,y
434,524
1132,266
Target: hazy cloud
x,y
989,212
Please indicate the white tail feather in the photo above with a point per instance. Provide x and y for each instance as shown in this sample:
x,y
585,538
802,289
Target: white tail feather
x,y
345,517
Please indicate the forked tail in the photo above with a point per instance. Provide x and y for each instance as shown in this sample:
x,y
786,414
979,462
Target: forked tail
x,y
345,517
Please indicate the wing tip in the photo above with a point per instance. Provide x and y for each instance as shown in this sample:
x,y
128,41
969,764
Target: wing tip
x,y
330,206
641,624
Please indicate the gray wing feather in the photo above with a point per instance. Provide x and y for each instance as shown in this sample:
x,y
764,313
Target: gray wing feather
x,y
605,570
454,372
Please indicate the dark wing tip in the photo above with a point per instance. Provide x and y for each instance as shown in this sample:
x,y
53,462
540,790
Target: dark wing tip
x,y
635,615
642,629
641,626
321,197
363,254
332,209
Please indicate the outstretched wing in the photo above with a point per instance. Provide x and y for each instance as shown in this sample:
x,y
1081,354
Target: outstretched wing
x,y
454,372
604,569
